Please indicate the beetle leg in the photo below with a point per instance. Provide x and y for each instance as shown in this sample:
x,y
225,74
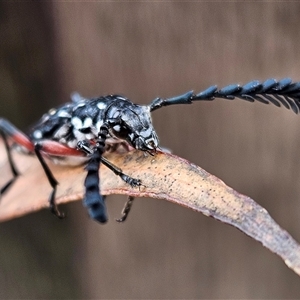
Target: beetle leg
x,y
7,130
126,209
86,147
53,148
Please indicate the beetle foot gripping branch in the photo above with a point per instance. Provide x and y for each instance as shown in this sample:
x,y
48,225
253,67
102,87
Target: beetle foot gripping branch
x,y
126,209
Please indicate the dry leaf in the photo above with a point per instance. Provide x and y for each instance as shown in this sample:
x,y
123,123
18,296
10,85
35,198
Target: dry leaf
x,y
164,176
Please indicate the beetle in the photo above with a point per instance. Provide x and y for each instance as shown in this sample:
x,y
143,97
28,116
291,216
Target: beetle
x,y
81,131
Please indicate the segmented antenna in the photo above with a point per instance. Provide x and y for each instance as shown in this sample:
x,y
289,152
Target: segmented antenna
x,y
283,92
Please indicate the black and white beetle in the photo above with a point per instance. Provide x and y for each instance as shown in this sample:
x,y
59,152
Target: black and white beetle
x,y
82,130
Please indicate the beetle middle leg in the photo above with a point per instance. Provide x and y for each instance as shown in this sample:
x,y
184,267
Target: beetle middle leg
x,y
86,147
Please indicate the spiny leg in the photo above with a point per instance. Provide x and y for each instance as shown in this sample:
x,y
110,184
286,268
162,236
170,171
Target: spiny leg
x,y
126,209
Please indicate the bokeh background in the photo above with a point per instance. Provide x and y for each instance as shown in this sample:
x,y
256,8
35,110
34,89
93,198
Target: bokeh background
x,y
144,50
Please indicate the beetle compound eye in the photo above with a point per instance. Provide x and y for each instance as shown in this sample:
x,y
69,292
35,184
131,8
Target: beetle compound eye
x,y
120,131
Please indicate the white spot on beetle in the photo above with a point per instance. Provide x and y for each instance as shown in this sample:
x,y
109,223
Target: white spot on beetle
x,y
37,134
147,133
81,104
101,105
88,122
63,114
63,141
76,122
45,117
72,144
61,131
52,111
146,109
121,98
89,136
116,114
79,135
117,128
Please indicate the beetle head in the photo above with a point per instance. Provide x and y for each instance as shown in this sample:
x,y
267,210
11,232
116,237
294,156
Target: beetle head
x,y
132,123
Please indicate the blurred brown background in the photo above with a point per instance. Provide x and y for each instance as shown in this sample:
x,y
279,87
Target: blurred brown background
x,y
144,50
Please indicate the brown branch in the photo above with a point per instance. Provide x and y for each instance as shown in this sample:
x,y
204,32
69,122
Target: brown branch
x,y
164,176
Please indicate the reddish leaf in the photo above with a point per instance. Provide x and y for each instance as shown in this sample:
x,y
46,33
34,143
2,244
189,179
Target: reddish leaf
x,y
164,176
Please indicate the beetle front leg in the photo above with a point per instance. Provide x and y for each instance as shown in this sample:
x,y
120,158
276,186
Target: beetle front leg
x,y
86,148
133,182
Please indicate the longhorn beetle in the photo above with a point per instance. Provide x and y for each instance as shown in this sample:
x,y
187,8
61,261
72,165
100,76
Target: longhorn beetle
x,y
82,130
